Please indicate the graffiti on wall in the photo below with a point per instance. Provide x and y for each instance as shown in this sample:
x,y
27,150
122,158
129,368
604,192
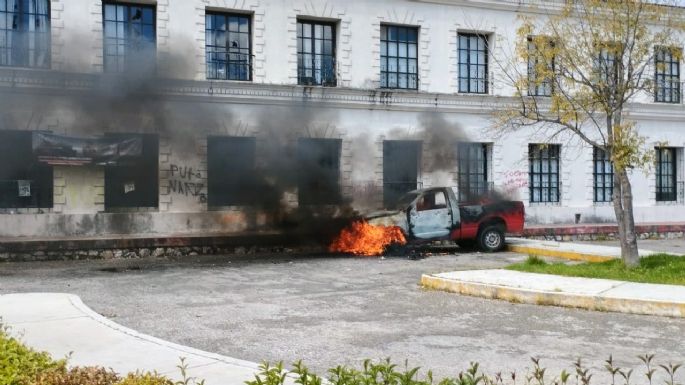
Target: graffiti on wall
x,y
186,181
514,180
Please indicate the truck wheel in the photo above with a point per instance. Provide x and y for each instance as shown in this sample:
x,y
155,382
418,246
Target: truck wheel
x,y
491,239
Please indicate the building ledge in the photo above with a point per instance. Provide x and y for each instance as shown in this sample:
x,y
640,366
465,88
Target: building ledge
x,y
62,83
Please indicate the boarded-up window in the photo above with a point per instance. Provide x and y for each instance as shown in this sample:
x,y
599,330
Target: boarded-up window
x,y
24,182
134,181
400,169
319,171
230,171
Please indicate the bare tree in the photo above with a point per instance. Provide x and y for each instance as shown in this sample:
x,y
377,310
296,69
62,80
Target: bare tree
x,y
576,72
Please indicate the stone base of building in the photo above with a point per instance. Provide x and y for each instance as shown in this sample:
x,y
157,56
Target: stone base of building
x,y
178,246
134,253
603,232
157,246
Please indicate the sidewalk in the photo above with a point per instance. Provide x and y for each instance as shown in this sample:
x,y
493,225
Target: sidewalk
x,y
61,324
543,289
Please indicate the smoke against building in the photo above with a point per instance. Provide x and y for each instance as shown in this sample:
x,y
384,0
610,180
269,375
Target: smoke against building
x,y
267,135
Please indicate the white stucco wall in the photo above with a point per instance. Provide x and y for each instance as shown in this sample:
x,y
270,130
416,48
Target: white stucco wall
x,y
245,108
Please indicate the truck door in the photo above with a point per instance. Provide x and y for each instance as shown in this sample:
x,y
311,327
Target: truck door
x,y
431,216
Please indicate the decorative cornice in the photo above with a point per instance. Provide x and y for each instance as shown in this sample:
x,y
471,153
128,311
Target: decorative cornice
x,y
56,83
527,6
532,6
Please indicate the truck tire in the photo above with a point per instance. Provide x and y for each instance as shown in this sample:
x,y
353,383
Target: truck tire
x,y
491,238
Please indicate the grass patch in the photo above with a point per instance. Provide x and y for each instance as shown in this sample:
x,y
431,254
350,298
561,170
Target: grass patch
x,y
659,268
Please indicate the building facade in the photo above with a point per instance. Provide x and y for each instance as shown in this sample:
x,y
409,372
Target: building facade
x,y
242,110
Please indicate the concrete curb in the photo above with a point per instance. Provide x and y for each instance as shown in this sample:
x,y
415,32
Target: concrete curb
x,y
182,349
547,252
568,250
551,298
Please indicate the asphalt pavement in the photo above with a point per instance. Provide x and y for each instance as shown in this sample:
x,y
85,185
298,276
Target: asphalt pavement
x,y
330,311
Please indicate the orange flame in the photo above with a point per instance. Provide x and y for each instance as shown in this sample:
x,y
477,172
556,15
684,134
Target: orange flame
x,y
362,238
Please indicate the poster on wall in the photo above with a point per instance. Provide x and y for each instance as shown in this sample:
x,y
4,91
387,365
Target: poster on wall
x,y
24,187
74,151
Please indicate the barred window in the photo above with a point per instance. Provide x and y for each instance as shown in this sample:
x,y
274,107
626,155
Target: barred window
x,y
538,86
606,63
472,170
473,63
228,46
544,172
667,76
129,31
603,176
665,174
399,51
25,33
316,53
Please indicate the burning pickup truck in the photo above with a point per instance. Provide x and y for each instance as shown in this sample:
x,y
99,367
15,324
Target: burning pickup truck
x,y
436,214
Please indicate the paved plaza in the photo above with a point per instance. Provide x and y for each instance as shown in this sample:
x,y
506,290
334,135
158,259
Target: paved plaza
x,y
329,311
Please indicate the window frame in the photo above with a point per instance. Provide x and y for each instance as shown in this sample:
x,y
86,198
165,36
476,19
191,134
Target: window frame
x,y
466,191
333,80
662,192
385,72
466,53
428,201
607,63
533,149
250,54
547,85
128,25
672,63
48,44
600,155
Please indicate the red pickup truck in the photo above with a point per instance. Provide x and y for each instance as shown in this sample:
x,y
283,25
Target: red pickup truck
x,y
435,214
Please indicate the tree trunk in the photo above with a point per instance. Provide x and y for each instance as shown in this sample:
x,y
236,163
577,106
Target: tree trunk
x,y
623,206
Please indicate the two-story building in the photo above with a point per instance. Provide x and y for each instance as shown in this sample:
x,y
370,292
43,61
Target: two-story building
x,y
170,116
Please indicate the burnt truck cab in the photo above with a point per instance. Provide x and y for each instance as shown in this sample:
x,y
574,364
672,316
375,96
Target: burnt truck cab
x,y
436,214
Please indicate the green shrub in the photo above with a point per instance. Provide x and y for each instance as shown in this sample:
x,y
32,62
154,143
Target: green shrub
x,y
19,364
88,375
146,378
386,373
381,373
269,375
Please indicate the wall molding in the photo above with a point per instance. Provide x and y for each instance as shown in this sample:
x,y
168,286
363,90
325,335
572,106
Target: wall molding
x,y
59,83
